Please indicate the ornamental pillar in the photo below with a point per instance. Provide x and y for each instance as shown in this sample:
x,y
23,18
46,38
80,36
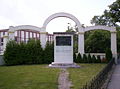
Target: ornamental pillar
x,y
114,45
81,43
11,33
5,40
43,37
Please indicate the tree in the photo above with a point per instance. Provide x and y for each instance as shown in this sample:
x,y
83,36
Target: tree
x,y
48,53
110,17
93,59
79,58
89,58
74,57
85,59
98,59
97,41
108,54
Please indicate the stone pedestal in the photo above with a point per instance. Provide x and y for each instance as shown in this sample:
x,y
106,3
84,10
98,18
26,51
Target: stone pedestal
x,y
64,65
63,50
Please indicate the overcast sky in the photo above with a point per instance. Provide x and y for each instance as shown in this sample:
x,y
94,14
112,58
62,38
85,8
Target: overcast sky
x,y
34,12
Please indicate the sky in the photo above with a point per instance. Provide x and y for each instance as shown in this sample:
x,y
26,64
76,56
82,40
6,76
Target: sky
x,y
35,12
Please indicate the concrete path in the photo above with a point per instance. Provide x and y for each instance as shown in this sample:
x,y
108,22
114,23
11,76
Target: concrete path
x,y
63,80
115,80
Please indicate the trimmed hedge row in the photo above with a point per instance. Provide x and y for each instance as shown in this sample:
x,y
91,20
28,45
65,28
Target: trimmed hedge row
x,y
28,53
86,59
33,53
92,59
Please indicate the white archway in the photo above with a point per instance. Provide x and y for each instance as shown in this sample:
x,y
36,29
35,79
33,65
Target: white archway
x,y
70,16
62,14
28,27
12,30
100,27
113,37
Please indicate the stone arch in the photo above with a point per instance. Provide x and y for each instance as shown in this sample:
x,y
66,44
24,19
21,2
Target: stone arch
x,y
12,30
28,27
113,37
100,27
62,14
70,16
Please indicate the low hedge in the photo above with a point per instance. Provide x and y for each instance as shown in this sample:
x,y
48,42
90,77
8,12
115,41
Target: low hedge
x,y
92,59
28,53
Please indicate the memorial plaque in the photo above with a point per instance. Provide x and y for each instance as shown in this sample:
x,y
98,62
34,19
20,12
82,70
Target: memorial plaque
x,y
63,40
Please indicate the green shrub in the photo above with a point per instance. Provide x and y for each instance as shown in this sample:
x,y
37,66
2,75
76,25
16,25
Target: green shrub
x,y
89,58
98,59
48,53
108,54
79,58
9,54
74,57
23,53
93,59
85,60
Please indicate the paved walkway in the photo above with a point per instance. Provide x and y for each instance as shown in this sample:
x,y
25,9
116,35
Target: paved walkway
x,y
115,80
63,80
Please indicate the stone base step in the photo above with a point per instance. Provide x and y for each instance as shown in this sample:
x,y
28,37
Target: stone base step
x,y
64,65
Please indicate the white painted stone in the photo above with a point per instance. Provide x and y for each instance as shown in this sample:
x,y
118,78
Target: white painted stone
x,y
99,27
63,54
28,27
81,43
11,33
5,40
114,45
80,28
43,37
113,37
62,14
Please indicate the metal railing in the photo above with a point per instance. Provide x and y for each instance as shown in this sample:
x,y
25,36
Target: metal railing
x,y
98,81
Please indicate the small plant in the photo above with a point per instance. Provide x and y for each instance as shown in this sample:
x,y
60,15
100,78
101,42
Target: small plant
x,y
48,53
108,54
79,58
89,58
74,57
85,60
93,59
28,53
98,59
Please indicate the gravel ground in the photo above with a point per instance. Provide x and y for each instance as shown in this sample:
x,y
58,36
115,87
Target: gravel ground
x,y
63,80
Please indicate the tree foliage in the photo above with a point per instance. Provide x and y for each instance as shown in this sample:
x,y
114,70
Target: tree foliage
x,y
110,17
97,41
28,53
108,54
48,53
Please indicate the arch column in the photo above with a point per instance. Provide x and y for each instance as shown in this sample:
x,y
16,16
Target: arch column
x,y
5,40
43,37
114,45
81,43
11,33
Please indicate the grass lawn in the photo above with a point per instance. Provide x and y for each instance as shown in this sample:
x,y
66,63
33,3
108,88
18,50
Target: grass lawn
x,y
28,77
79,76
42,77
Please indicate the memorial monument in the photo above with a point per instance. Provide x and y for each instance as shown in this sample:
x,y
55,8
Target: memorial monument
x,y
63,50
